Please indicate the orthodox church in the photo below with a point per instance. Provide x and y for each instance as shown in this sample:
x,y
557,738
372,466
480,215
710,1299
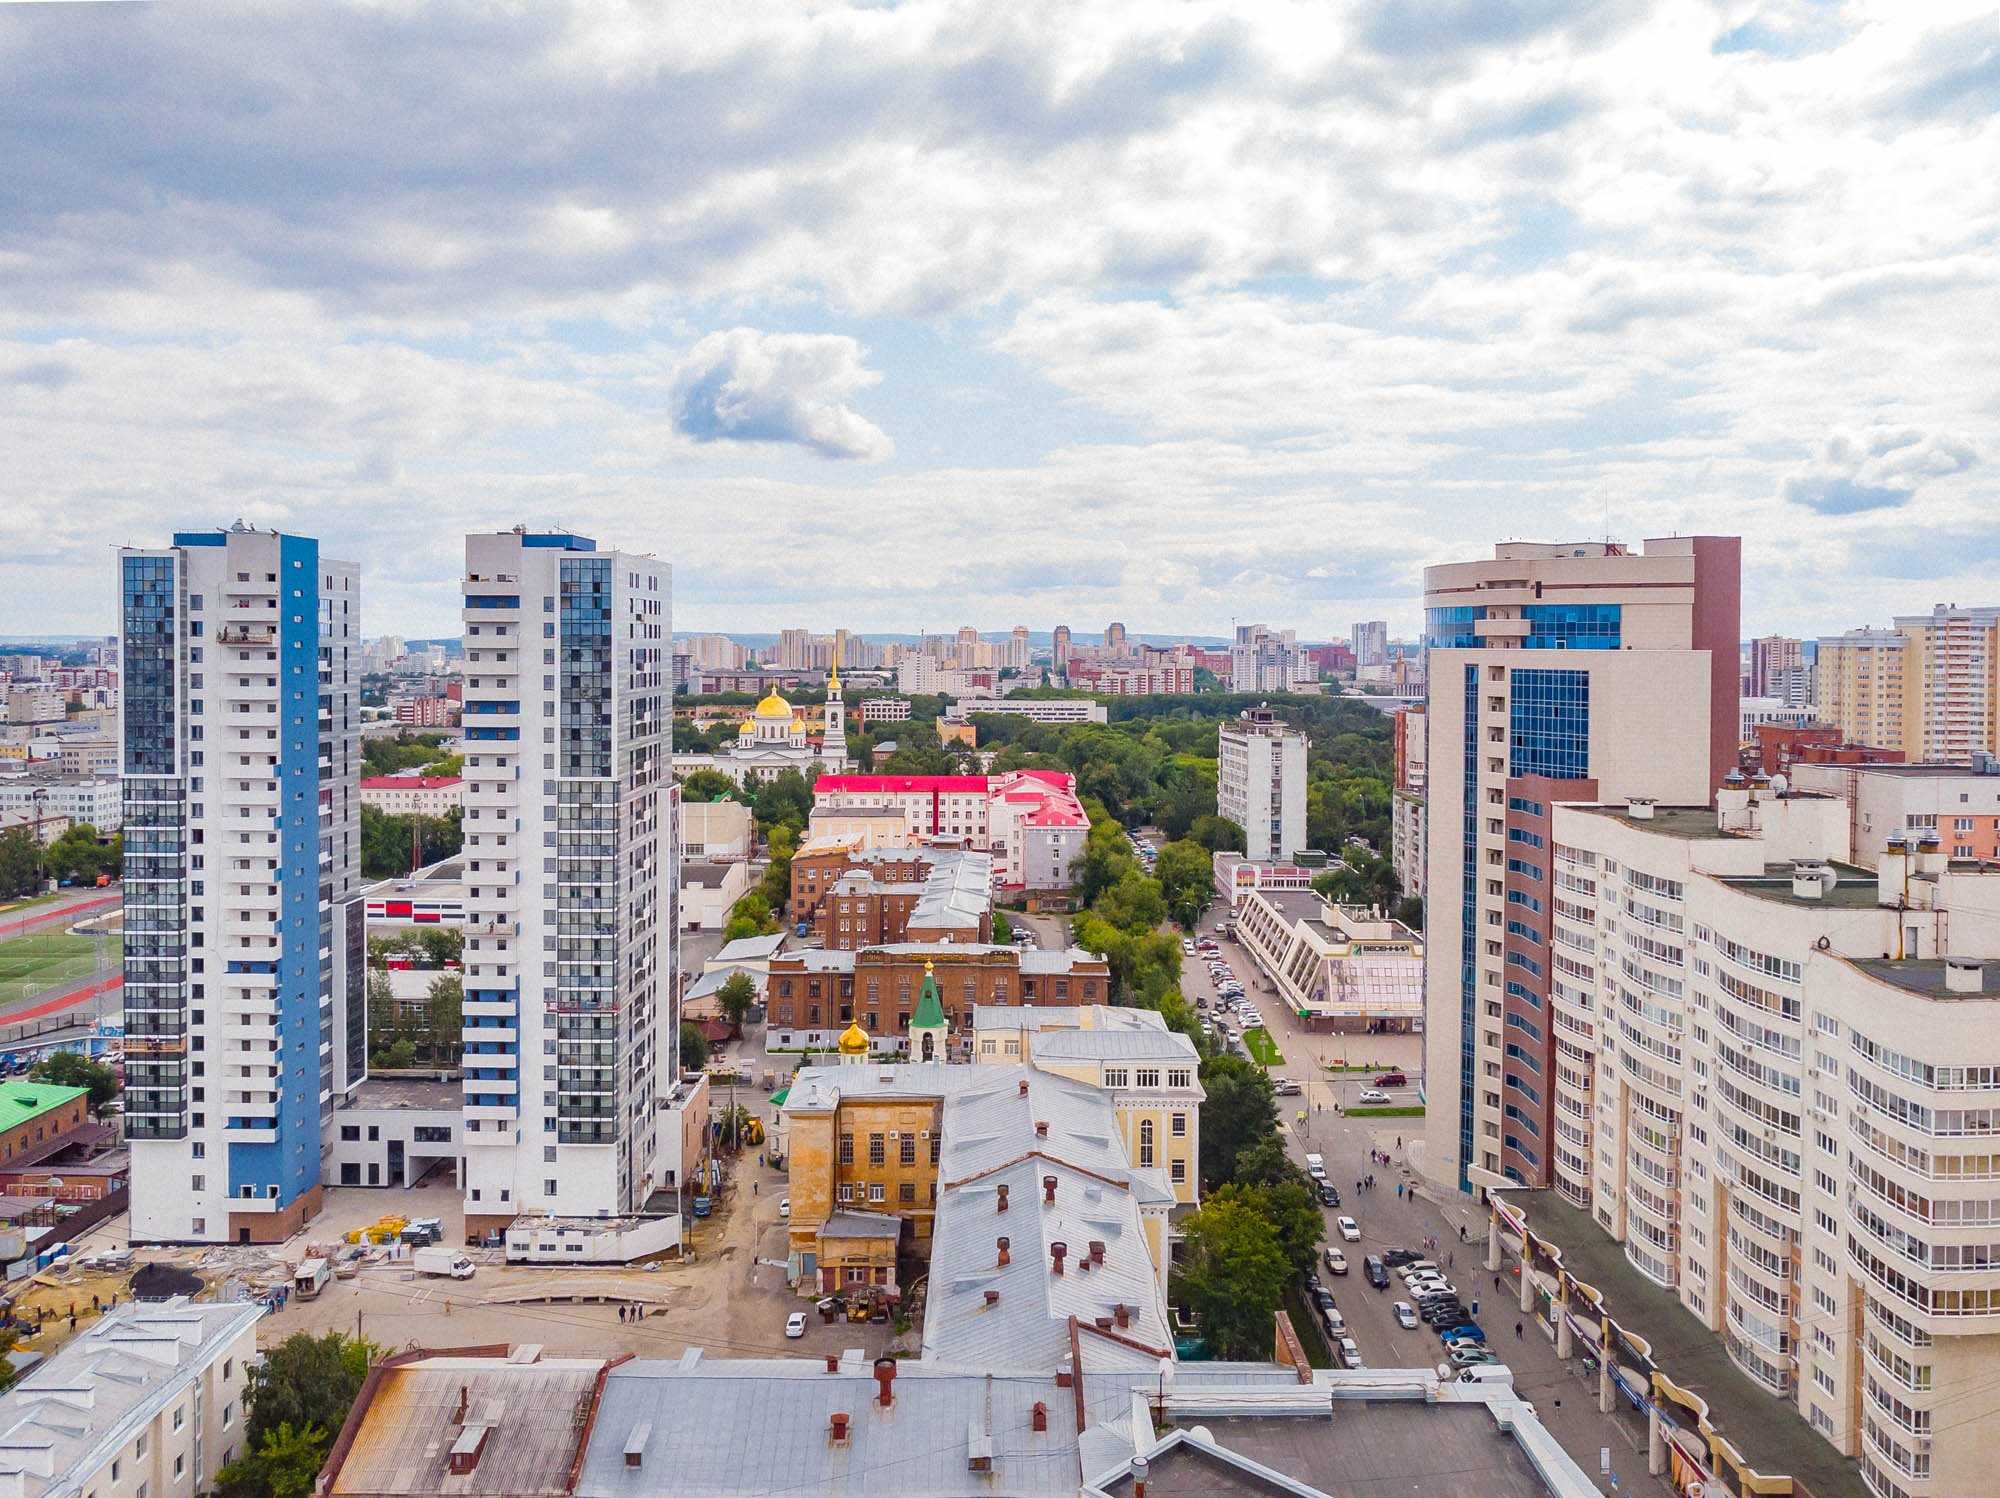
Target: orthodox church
x,y
773,740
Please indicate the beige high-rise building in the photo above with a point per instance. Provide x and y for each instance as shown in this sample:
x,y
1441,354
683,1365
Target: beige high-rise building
x,y
1927,686
1558,672
1777,1084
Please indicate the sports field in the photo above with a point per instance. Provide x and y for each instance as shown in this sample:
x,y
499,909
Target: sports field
x,y
30,964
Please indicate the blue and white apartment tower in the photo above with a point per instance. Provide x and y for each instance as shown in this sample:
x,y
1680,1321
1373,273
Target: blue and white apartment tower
x,y
245,951
570,1013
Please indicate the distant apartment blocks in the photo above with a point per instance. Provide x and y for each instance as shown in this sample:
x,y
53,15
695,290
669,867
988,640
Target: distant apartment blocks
x,y
1030,821
1928,686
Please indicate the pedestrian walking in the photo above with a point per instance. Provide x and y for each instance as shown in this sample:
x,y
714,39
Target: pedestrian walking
x,y
621,1313
1450,1259
1496,1282
1517,1331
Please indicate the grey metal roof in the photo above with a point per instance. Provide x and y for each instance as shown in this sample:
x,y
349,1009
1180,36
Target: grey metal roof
x,y
861,1225
1115,1045
761,1428
84,1403
750,948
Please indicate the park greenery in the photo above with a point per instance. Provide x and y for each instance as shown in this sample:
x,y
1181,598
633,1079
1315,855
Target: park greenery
x,y
425,1034
299,1396
387,842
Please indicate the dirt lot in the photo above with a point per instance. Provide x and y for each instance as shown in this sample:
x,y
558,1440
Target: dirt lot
x,y
731,1298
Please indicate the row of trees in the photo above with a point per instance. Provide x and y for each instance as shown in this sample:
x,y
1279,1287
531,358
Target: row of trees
x,y
78,855
429,1034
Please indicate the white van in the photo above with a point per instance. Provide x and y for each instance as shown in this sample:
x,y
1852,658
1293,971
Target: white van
x,y
447,1261
311,1278
1316,1167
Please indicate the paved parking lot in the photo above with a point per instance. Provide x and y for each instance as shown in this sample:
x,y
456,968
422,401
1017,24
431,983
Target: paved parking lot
x,y
1315,1122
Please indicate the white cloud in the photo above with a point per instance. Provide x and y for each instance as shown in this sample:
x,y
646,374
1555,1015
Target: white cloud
x,y
1212,309
746,386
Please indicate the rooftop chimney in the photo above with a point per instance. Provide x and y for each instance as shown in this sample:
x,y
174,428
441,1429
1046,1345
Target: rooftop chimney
x,y
1639,808
1811,881
464,1399
1057,1251
635,1443
833,1362
1140,1467
993,1297
1122,1314
1002,1188
1048,1191
1041,1128
1964,975
837,1427
885,1376
1004,1243
1041,1416
1103,1323
1024,1087
1097,1250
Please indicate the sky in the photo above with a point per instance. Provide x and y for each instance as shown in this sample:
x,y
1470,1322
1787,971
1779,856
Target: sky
x,y
907,316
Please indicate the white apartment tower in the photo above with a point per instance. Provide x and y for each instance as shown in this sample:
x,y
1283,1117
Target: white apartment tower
x,y
1777,1084
1260,783
1371,642
570,1016
245,952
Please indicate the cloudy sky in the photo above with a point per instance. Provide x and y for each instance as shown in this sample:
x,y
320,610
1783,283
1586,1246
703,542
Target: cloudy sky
x,y
908,316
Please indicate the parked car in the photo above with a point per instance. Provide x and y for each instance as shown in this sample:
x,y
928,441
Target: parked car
x,y
1465,1331
785,1206
1371,1095
1350,1353
1349,1228
1470,1355
1336,1324
1329,1194
1406,1315
1392,1079
1377,1275
1397,1257
795,1324
1336,1261
1286,1087
1187,946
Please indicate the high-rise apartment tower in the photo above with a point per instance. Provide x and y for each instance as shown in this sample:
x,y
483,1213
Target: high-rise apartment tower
x,y
1557,672
245,952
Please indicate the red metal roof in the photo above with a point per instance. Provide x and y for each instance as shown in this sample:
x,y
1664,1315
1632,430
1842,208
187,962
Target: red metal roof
x,y
901,783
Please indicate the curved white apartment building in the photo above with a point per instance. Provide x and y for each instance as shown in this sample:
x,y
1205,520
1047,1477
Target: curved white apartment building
x,y
1777,1083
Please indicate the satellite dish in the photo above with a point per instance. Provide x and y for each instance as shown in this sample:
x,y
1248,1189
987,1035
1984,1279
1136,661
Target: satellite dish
x,y
1780,784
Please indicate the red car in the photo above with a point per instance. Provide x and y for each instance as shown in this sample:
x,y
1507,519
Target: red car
x,y
1392,1079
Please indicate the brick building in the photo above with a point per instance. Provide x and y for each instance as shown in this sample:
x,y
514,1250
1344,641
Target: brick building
x,y
815,994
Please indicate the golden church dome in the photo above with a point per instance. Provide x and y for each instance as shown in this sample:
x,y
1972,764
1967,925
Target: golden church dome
x,y
853,1040
774,706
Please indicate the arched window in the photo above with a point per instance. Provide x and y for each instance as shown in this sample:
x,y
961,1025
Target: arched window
x,y
1145,1141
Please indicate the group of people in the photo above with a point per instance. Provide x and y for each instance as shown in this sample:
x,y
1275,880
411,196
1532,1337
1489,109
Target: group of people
x,y
631,1313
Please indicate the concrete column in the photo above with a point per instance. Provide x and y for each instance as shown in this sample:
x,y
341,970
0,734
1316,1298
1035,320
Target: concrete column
x,y
1607,1392
1492,1241
1527,1280
1656,1445
1565,1338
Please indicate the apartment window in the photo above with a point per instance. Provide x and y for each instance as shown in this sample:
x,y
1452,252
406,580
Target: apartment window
x,y
846,1192
878,1149
876,1191
909,1149
1145,1141
548,1188
907,1193
1180,1172
1179,1126
1146,1076
846,1149
228,1414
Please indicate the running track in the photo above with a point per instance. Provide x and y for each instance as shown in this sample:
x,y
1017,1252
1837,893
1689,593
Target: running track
x,y
60,1002
69,914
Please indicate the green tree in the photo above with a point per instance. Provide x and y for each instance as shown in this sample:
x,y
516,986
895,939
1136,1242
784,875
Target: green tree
x,y
707,785
1233,1275
694,1048
1237,1112
444,1019
1187,880
750,916
381,1006
441,945
1003,929
736,996
1218,834
74,1069
307,1381
1135,903
285,1464
79,857
20,864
